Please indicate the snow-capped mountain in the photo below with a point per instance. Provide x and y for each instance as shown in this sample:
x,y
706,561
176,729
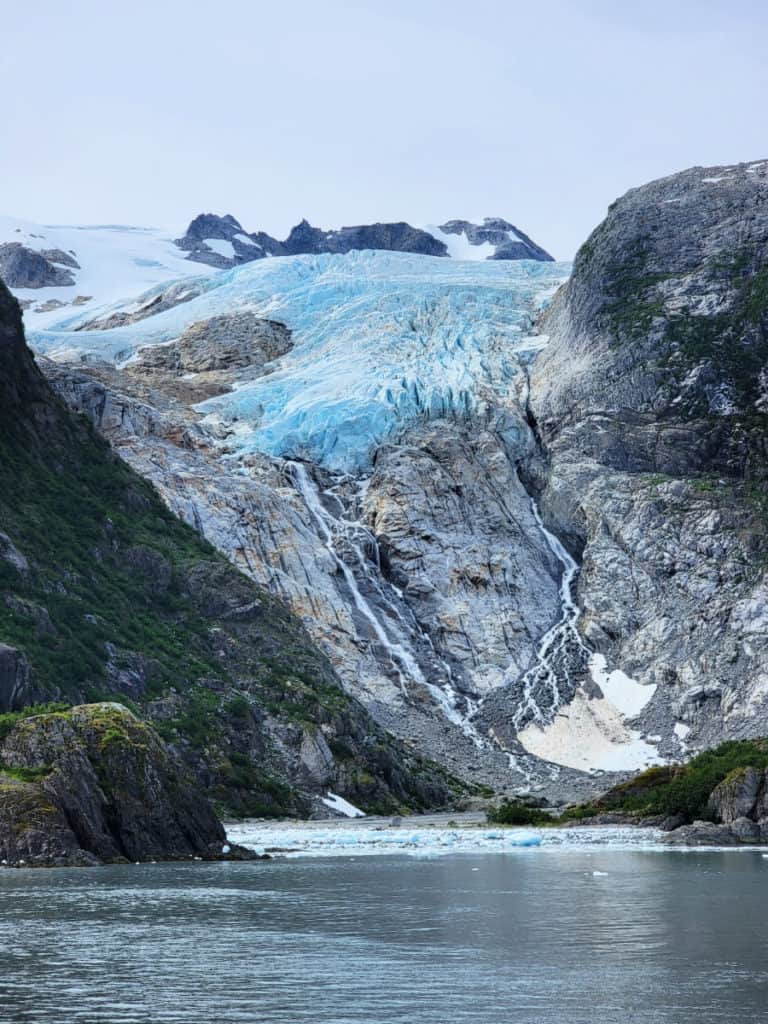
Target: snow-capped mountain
x,y
55,269
50,268
515,551
222,241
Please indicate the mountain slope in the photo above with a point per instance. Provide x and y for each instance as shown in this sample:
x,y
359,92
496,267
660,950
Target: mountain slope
x,y
367,477
105,594
377,469
650,404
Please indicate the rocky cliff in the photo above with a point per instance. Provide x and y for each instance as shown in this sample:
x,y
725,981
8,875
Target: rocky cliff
x,y
94,784
649,405
105,594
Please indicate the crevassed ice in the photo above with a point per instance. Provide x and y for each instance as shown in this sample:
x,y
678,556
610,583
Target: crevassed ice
x,y
379,339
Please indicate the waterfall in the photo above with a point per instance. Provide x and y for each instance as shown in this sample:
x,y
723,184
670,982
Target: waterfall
x,y
340,536
562,653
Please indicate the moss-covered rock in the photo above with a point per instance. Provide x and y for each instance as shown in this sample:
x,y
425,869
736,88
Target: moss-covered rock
x,y
95,784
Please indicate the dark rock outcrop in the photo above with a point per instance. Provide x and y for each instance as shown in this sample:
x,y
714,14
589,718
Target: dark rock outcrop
x,y
15,685
239,246
396,237
21,267
94,785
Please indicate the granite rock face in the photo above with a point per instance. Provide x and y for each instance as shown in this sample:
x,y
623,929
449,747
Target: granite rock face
x,y
422,587
94,785
649,408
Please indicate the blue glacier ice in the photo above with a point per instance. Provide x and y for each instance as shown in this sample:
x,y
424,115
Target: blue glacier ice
x,y
380,338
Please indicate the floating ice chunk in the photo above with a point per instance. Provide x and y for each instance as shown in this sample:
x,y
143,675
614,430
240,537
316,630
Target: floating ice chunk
x,y
599,874
338,803
524,839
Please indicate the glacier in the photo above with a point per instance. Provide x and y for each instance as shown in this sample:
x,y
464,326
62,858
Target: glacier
x,y
380,339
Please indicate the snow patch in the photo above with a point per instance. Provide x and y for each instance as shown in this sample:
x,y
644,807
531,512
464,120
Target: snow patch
x,y
116,263
681,730
627,695
459,246
246,240
342,806
221,246
589,734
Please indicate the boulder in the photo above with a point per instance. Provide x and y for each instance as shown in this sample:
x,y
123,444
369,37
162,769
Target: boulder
x,y
736,796
702,833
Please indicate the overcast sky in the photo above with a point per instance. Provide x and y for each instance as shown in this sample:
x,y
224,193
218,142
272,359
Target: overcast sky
x,y
150,112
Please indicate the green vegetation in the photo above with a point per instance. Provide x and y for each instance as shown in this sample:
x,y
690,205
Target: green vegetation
x,y
674,790
100,541
25,774
9,720
514,813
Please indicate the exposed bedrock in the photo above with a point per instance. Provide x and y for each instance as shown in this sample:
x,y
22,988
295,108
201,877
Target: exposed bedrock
x,y
650,401
428,583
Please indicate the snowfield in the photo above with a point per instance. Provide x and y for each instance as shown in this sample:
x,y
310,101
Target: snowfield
x,y
116,263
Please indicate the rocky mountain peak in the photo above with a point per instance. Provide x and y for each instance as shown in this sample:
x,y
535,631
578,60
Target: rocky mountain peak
x,y
210,225
495,238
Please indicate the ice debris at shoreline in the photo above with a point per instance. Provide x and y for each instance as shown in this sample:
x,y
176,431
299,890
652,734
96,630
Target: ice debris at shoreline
x,y
307,839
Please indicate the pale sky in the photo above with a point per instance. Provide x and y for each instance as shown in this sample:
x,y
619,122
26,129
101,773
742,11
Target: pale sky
x,y
346,113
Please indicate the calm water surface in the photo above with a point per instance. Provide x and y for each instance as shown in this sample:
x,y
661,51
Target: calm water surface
x,y
529,937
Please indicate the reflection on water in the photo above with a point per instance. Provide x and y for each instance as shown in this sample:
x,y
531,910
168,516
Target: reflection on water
x,y
572,937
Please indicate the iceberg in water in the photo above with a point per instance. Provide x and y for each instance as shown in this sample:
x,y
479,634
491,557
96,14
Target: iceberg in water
x,y
380,338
